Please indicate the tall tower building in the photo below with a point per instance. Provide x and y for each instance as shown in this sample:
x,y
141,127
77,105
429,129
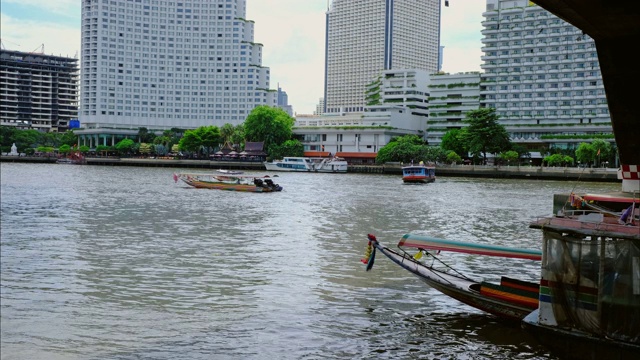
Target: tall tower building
x,y
365,37
160,64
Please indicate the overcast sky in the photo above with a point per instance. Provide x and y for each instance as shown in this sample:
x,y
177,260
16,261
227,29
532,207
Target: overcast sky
x,y
292,32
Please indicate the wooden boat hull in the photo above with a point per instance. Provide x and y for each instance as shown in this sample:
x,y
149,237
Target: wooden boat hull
x,y
465,290
572,344
418,179
197,181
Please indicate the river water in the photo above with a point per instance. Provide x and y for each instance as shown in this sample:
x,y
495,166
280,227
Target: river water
x,y
105,262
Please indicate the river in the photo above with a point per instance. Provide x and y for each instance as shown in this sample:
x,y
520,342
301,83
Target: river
x,y
102,262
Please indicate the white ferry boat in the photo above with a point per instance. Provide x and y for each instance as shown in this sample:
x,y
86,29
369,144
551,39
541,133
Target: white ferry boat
x,y
308,164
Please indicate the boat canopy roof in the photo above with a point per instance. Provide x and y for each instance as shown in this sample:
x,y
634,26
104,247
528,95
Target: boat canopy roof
x,y
430,243
615,197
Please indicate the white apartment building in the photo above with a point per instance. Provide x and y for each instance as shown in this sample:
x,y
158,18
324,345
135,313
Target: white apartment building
x,y
163,64
451,96
396,106
368,36
542,75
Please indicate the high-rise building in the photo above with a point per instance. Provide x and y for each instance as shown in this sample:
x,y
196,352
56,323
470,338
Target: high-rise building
x,y
542,76
160,64
365,37
283,101
38,91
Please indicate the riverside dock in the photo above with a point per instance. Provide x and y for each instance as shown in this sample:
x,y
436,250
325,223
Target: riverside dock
x,y
485,171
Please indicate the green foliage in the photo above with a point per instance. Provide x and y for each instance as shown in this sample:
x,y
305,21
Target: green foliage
x,y
191,141
568,160
595,152
68,138
288,148
409,148
585,153
484,134
64,149
45,149
145,149
103,149
204,138
125,146
226,132
509,156
7,136
27,138
144,136
558,160
271,125
604,147
452,141
30,138
238,135
83,149
452,157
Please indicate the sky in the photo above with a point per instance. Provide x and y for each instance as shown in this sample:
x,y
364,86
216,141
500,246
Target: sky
x,y
292,32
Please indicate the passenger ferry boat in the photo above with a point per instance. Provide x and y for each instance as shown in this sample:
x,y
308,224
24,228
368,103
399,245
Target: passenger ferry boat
x,y
308,164
420,173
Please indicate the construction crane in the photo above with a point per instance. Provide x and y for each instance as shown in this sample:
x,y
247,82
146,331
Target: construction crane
x,y
3,41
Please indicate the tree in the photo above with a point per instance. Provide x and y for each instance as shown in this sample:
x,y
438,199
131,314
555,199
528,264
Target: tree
x,y
68,138
204,137
209,137
451,141
146,149
554,160
401,149
238,135
64,149
484,134
289,148
453,158
226,132
269,124
602,149
144,136
509,156
27,138
191,141
585,153
83,149
125,146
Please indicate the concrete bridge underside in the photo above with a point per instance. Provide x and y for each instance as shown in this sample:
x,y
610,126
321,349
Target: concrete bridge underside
x,y
615,27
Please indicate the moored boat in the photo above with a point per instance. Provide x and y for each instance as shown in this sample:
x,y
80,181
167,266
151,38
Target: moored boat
x,y
73,158
230,172
418,174
589,304
308,164
228,182
510,299
586,304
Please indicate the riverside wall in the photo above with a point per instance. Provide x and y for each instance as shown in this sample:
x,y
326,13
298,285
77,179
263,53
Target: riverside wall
x,y
484,171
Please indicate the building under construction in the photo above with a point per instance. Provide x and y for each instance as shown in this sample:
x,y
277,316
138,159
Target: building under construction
x,y
38,91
